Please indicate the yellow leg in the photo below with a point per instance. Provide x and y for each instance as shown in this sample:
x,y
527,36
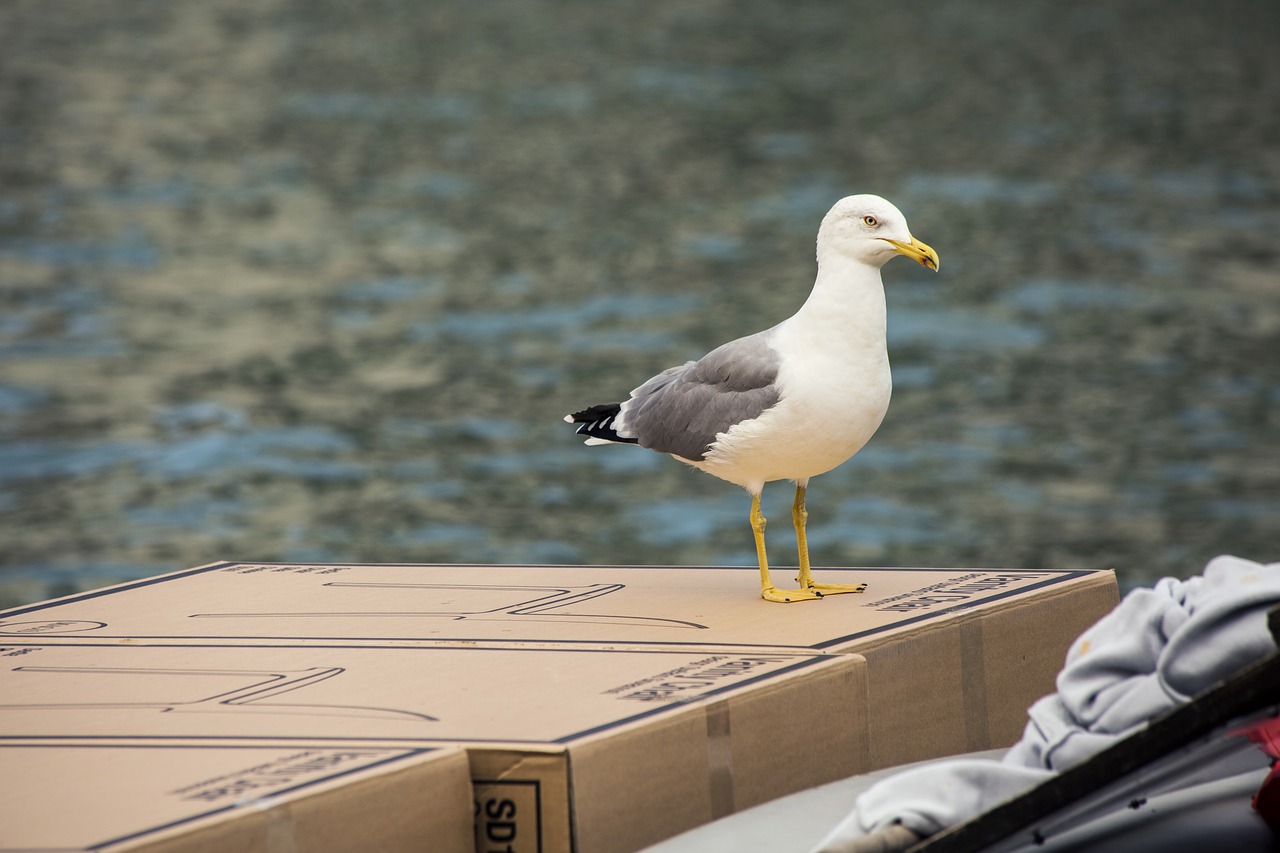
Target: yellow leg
x,y
757,527
799,516
767,590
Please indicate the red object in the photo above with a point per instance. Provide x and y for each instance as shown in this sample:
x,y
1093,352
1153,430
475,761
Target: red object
x,y
1267,801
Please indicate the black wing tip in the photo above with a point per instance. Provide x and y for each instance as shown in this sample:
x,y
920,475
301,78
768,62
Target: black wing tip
x,y
594,413
597,422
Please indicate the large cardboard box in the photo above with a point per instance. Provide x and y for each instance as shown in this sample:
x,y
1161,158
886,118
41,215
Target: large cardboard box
x,y
586,748
176,797
603,709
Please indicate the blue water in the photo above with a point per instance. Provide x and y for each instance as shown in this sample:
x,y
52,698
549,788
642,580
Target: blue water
x,y
340,315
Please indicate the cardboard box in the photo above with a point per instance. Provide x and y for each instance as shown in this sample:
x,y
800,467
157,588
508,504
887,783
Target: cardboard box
x,y
608,749
624,786
175,798
603,709
967,650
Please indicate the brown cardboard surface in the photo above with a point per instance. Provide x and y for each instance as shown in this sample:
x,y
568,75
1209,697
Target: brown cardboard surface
x,y
603,709
496,605
159,798
624,788
745,749
980,668
385,695
620,746
522,800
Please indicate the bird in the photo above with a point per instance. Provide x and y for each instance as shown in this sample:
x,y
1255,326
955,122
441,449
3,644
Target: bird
x,y
790,402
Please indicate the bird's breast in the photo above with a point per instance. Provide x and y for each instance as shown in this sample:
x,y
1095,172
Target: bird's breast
x,y
839,405
825,414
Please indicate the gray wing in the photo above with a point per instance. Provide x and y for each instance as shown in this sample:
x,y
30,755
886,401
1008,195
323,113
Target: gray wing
x,y
683,409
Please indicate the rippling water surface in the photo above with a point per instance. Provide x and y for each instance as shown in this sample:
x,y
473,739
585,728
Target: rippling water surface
x,y
316,281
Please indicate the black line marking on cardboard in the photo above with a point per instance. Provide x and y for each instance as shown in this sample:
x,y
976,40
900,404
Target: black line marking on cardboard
x,y
20,741
537,798
112,590
806,659
968,605
274,684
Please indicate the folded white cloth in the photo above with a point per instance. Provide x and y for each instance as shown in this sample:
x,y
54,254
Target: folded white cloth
x,y
1153,652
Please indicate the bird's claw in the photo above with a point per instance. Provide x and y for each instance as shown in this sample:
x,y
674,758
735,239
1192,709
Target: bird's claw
x,y
786,596
836,588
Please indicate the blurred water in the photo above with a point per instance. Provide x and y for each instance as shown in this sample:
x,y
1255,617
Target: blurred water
x,y
311,281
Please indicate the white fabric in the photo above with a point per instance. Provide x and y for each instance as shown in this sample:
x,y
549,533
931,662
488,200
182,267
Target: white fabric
x,y
1153,652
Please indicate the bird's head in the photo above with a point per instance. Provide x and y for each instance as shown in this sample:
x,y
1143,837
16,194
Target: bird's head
x,y
869,229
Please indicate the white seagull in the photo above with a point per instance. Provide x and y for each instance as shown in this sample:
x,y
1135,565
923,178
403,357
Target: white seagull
x,y
793,401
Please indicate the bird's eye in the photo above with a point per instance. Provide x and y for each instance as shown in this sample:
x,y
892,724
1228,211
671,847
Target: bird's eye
x,y
871,221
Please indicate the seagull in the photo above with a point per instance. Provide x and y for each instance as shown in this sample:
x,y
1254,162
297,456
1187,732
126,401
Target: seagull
x,y
788,403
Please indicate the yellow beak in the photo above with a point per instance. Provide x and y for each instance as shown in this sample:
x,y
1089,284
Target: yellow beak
x,y
917,251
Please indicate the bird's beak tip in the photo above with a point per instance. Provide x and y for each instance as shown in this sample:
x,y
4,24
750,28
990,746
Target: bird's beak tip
x,y
919,252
